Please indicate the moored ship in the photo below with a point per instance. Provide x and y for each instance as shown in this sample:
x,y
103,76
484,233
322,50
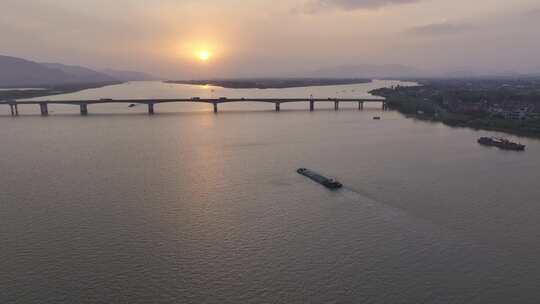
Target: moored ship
x,y
329,183
501,143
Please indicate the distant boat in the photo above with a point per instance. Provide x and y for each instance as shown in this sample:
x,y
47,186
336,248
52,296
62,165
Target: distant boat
x,y
132,105
501,143
376,118
329,183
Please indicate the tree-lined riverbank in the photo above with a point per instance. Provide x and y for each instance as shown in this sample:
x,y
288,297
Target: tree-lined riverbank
x,y
497,105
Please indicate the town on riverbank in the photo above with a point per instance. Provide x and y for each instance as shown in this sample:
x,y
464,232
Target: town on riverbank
x,y
510,105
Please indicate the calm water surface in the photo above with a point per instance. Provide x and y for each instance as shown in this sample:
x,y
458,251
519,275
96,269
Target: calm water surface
x,y
191,207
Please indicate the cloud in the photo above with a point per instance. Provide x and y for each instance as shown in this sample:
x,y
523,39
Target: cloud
x,y
315,6
438,29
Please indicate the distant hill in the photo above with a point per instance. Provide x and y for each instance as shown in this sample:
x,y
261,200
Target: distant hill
x,y
464,73
17,72
80,74
128,75
370,71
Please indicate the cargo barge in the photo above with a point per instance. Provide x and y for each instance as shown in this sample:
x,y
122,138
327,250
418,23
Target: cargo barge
x,y
329,183
501,143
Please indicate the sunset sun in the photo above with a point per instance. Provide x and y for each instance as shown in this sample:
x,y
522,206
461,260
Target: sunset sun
x,y
203,55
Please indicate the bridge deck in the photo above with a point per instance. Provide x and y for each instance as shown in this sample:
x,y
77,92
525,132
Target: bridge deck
x,y
212,100
83,104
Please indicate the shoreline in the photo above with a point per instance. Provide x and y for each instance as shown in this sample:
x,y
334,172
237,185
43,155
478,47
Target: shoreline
x,y
452,120
518,133
272,83
52,90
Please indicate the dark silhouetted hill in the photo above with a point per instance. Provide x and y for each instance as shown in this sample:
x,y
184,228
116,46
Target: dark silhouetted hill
x,y
16,72
80,74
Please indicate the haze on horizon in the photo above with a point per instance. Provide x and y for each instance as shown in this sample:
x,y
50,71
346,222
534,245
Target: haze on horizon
x,y
239,38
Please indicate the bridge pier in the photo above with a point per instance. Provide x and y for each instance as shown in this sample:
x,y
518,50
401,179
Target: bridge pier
x,y
84,109
44,109
384,106
150,109
12,109
360,105
278,107
311,105
215,107
336,105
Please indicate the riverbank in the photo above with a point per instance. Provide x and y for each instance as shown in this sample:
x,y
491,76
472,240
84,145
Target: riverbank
x,y
496,126
272,83
51,90
414,105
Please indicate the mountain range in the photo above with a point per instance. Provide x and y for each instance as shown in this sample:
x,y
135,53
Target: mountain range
x,y
397,71
18,72
370,71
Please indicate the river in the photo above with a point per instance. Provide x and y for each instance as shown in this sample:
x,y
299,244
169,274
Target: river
x,y
191,207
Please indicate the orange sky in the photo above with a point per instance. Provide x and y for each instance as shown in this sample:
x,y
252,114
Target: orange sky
x,y
273,37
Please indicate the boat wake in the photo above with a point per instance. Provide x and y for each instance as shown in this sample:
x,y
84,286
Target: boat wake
x,y
384,209
355,195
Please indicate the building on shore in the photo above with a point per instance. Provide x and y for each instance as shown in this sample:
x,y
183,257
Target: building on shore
x,y
521,112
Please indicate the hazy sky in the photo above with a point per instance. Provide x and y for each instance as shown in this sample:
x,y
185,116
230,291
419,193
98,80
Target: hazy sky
x,y
273,37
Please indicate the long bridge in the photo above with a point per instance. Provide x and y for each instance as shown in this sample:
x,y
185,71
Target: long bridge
x,y
83,104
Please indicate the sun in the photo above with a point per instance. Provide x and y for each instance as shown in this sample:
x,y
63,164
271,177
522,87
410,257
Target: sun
x,y
203,55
